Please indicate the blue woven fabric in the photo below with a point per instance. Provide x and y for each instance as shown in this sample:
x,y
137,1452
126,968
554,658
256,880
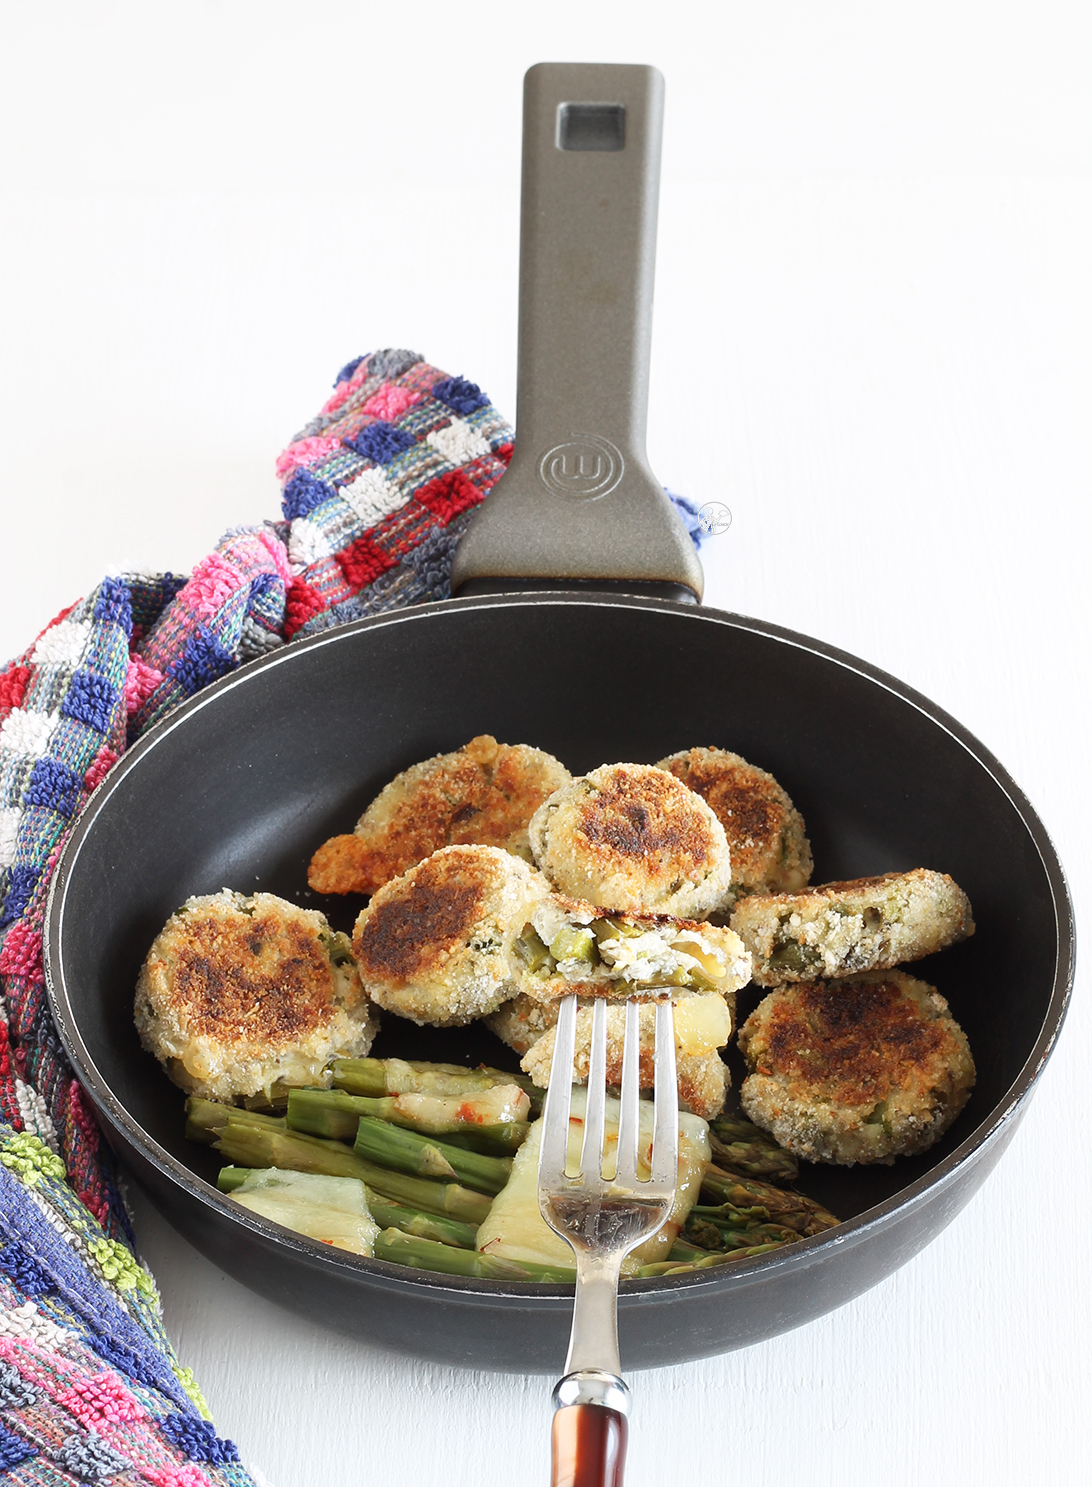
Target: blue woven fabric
x,y
377,490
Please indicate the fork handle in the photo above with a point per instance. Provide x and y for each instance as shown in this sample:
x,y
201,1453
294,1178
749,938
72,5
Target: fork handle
x,y
590,1430
589,1446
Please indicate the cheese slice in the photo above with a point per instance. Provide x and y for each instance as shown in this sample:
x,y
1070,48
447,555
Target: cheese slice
x,y
331,1209
515,1228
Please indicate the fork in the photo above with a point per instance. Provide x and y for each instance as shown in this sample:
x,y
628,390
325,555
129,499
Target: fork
x,y
602,1218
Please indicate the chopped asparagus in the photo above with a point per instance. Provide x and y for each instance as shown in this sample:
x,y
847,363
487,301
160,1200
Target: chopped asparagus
x,y
204,1118
387,1215
231,1178
396,1076
273,1103
673,1267
754,1159
408,1151
336,1113
711,1235
734,1129
426,1254
255,1146
793,1210
422,1225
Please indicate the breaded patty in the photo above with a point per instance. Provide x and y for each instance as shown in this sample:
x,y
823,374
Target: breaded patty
x,y
522,1021
568,945
485,793
857,1070
863,924
702,1025
702,1077
239,993
630,836
436,944
769,849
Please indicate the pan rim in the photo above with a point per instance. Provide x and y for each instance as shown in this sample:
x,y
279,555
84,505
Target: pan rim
x,y
799,1255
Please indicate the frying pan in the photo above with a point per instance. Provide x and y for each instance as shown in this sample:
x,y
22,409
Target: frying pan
x,y
239,786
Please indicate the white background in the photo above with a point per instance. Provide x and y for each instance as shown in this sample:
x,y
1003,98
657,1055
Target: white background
x,y
871,341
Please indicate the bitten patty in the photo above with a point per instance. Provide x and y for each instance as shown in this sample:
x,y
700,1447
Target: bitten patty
x,y
485,793
237,994
864,924
436,944
769,849
630,836
702,1025
858,1070
569,945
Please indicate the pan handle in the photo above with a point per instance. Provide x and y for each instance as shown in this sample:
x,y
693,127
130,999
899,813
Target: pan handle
x,y
579,506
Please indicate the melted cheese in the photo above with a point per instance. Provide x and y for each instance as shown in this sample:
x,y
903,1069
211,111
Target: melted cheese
x,y
331,1209
516,1230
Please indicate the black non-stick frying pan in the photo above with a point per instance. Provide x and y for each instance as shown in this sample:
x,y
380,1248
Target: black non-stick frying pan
x,y
241,784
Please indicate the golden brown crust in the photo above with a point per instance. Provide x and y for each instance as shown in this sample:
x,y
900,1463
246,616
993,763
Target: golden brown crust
x,y
765,831
849,1042
483,794
633,837
857,1070
858,924
238,993
635,816
410,930
340,865
436,944
260,976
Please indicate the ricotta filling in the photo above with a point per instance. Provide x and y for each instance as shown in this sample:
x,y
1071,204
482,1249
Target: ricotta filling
x,y
582,948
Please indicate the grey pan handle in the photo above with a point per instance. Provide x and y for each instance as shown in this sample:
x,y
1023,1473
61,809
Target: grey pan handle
x,y
579,505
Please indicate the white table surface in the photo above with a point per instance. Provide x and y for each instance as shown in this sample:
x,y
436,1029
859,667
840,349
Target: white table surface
x,y
871,342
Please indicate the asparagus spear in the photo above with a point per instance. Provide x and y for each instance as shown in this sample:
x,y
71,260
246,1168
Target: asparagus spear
x,y
793,1210
387,1215
259,1146
405,1249
273,1103
334,1112
673,1267
395,1076
683,1252
408,1151
713,1236
754,1158
204,1118
231,1178
422,1225
730,1129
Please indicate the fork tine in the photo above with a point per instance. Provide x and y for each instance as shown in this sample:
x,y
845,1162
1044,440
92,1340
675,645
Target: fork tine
x,y
555,1116
595,1114
629,1115
665,1143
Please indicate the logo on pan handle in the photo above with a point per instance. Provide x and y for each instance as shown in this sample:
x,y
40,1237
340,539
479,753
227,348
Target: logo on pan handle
x,y
583,467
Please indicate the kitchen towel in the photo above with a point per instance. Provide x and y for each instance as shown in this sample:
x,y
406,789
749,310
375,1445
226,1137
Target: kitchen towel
x,y
376,491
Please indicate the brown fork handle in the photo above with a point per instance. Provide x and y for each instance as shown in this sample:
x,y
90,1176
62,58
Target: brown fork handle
x,y
589,1446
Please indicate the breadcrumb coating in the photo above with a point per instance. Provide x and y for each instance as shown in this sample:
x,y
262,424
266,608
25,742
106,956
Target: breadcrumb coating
x,y
239,993
483,794
862,924
633,837
766,838
863,1069
435,945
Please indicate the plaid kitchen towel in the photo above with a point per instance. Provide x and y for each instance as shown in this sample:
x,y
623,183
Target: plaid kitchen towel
x,y
376,491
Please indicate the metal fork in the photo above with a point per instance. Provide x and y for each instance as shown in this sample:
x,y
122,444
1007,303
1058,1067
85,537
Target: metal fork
x,y
603,1218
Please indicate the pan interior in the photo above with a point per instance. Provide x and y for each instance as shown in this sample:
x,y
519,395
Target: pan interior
x,y
241,791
